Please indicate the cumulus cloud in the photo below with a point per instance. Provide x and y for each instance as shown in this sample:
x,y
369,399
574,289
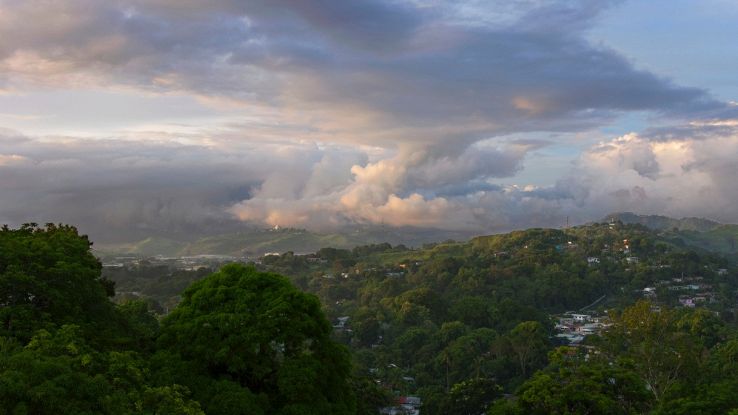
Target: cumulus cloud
x,y
124,188
127,188
680,176
634,172
399,190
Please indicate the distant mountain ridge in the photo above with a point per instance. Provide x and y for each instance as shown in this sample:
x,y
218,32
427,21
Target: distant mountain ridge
x,y
696,232
253,242
659,222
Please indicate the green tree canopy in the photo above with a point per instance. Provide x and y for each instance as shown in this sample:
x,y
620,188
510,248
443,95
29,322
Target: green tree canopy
x,y
48,276
58,373
256,330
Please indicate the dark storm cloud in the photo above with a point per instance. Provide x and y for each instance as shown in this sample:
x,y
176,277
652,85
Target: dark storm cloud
x,y
126,188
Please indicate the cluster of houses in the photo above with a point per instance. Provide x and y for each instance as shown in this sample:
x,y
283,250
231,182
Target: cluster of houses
x,y
405,405
187,263
692,290
572,328
345,275
121,262
397,271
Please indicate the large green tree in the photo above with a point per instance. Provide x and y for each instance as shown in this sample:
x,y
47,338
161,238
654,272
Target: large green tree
x,y
528,342
49,277
58,373
654,342
257,333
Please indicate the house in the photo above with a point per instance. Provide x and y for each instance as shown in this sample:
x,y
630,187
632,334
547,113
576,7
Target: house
x,y
399,410
722,271
580,318
586,331
563,327
570,338
649,292
341,323
410,400
689,287
700,298
411,404
686,301
593,260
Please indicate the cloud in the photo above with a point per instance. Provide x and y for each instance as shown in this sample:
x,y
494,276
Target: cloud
x,y
373,72
680,176
371,111
126,188
129,187
399,190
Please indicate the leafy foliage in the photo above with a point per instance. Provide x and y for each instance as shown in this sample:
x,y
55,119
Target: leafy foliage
x,y
49,277
258,331
651,360
465,326
241,341
430,321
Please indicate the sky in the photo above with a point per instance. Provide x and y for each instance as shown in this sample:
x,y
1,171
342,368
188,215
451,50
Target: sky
x,y
472,115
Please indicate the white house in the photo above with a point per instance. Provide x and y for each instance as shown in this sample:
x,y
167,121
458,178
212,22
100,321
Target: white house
x,y
580,318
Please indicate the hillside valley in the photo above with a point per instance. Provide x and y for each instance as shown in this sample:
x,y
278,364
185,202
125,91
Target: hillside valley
x,y
423,321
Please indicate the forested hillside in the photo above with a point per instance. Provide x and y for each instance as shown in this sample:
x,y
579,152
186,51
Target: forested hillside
x,y
462,324
470,327
698,233
485,326
240,341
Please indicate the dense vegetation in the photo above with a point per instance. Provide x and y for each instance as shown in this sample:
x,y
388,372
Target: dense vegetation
x,y
240,342
659,361
441,321
468,327
696,232
462,324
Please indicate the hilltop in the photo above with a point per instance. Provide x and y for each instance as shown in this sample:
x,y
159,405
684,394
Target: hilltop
x,y
251,241
699,233
659,222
